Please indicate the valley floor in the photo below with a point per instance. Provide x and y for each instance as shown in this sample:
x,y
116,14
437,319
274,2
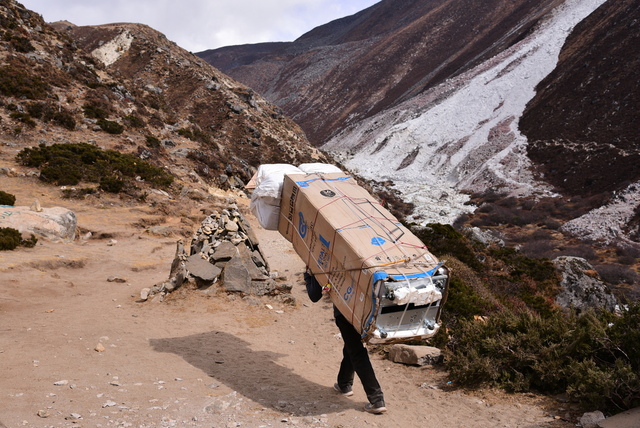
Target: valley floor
x,y
199,358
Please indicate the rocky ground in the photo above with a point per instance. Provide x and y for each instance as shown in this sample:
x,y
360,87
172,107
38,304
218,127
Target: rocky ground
x,y
78,347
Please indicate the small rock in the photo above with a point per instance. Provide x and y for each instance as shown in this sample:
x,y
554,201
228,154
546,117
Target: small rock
x,y
116,279
231,226
35,206
43,414
109,404
99,347
144,294
61,383
112,242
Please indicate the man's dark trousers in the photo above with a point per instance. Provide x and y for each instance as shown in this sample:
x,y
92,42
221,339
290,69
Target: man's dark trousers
x,y
355,358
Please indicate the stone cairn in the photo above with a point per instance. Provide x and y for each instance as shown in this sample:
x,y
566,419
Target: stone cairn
x,y
224,251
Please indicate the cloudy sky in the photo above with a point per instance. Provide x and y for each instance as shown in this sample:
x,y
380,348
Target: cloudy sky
x,y
197,25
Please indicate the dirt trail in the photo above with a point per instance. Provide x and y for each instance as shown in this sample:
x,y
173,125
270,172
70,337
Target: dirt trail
x,y
199,358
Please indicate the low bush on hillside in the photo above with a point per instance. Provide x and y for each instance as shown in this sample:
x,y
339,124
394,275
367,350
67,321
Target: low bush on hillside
x,y
52,113
134,121
195,134
21,44
443,239
93,111
110,126
17,80
152,141
68,164
503,329
617,274
593,357
11,238
24,118
7,198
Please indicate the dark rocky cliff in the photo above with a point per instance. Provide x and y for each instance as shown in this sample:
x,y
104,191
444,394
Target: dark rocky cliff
x,y
583,123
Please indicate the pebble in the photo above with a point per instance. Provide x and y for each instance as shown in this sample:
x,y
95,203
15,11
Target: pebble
x,y
61,383
109,403
99,347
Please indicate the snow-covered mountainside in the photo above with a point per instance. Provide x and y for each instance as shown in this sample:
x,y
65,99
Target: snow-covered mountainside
x,y
462,136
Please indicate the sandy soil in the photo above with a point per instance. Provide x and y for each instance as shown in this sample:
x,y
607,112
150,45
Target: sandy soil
x,y
199,358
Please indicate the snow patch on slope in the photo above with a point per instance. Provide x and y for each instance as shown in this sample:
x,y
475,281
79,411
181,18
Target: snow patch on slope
x,y
463,134
112,50
606,224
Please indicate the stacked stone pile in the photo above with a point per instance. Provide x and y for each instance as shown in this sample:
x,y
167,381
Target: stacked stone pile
x,y
224,251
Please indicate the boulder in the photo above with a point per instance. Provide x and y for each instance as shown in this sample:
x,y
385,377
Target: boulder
x,y
591,419
581,287
414,355
54,223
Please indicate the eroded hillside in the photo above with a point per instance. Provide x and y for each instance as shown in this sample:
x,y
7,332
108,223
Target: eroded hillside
x,y
125,86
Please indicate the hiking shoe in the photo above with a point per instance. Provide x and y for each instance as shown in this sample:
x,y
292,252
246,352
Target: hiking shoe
x,y
346,391
376,409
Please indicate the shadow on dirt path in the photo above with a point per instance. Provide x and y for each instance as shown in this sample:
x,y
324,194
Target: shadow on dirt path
x,y
254,374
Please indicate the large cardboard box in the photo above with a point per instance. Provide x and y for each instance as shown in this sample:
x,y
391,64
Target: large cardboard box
x,y
379,275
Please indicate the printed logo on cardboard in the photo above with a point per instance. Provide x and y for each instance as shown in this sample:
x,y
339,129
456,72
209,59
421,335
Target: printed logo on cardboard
x,y
302,225
328,193
325,255
378,241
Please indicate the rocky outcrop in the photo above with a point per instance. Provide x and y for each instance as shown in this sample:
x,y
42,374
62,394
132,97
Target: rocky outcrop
x,y
581,286
582,123
224,252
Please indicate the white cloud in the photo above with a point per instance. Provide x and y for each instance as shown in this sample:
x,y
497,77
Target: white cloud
x,y
197,25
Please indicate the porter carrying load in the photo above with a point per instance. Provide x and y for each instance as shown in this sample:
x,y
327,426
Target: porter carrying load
x,y
378,274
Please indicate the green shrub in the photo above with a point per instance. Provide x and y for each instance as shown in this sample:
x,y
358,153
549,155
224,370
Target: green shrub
x,y
49,113
7,198
443,239
134,121
92,111
152,141
64,119
9,238
593,357
539,269
110,126
29,242
68,164
63,172
463,302
194,135
111,184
